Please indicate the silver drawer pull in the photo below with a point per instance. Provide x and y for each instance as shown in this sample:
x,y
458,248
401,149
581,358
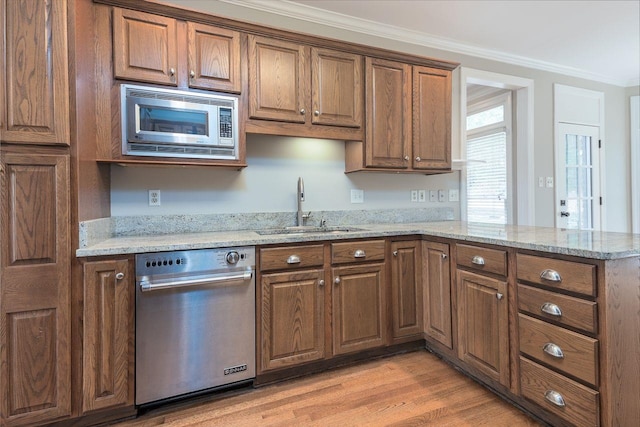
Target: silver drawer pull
x,y
554,397
551,308
293,259
478,260
551,275
553,350
359,254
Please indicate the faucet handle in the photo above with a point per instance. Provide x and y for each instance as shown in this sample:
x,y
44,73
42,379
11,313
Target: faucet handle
x,y
323,223
307,215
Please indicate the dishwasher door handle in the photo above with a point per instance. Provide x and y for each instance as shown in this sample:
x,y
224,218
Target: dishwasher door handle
x,y
222,280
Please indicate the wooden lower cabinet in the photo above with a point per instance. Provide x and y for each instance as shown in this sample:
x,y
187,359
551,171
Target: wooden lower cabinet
x,y
35,306
483,325
292,315
107,349
437,293
406,289
359,304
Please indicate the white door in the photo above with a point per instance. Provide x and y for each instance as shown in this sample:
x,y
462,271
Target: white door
x,y
577,177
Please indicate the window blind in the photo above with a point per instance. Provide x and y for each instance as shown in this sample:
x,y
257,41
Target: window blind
x,y
487,181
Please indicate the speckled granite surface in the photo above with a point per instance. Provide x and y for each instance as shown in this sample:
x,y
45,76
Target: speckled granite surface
x,y
597,245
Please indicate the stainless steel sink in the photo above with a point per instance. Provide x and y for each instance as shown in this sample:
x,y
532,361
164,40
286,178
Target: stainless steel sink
x,y
307,230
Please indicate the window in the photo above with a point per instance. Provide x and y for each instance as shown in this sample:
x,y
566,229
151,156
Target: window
x,y
488,173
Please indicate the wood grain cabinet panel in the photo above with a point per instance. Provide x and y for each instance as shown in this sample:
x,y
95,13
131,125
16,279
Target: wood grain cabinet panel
x,y
437,293
406,289
483,320
292,317
108,327
359,304
35,363
34,72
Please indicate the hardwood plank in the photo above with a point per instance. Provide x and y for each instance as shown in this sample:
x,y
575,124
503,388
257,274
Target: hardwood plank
x,y
408,390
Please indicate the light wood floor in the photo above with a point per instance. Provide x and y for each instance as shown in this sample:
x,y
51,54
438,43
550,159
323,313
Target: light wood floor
x,y
412,389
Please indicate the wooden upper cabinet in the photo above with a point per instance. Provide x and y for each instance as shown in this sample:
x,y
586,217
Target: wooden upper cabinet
x,y
144,47
278,80
157,49
35,312
336,88
214,58
431,118
388,104
34,72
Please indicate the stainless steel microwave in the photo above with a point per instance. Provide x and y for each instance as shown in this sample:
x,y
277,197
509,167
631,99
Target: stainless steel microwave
x,y
174,123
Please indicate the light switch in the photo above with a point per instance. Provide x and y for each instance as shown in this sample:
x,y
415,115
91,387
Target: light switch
x,y
422,196
454,195
433,196
441,195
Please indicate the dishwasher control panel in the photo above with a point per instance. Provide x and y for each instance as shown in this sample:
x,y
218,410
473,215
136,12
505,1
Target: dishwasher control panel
x,y
195,261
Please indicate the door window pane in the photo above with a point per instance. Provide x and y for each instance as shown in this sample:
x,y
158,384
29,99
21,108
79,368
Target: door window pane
x,y
579,181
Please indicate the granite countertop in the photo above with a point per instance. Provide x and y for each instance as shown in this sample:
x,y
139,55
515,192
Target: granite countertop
x,y
588,244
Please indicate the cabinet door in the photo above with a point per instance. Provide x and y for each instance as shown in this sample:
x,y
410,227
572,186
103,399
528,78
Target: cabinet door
x,y
431,118
278,80
292,318
336,88
406,289
34,79
144,47
388,103
35,364
214,58
359,305
483,325
107,333
437,292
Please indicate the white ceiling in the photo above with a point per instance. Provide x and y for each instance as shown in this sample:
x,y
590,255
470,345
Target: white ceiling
x,y
597,40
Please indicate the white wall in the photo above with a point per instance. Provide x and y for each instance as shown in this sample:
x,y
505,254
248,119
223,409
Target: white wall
x,y
269,183
617,193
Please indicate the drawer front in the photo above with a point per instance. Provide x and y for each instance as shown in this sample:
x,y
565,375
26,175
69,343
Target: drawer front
x,y
567,351
482,259
290,257
349,252
566,275
566,310
575,403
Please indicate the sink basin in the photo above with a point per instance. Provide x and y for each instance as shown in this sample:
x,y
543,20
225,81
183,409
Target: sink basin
x,y
307,230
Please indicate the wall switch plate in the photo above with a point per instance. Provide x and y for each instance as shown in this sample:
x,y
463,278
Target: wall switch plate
x,y
154,197
549,182
441,195
433,196
454,195
357,196
422,196
414,195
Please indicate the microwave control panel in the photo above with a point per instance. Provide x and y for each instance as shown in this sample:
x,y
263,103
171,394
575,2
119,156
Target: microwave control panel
x,y
225,122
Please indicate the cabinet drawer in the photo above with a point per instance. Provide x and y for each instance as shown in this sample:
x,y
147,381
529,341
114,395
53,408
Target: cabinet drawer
x,y
291,257
569,311
566,275
482,259
575,354
348,252
575,403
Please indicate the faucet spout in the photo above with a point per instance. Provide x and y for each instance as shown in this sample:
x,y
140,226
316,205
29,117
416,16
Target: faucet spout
x,y
301,216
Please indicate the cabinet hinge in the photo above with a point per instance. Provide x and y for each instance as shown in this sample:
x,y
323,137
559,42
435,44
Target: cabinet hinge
x,y
600,201
599,143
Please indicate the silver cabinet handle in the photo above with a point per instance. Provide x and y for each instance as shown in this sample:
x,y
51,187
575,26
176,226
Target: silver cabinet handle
x,y
554,397
418,159
337,280
302,111
551,308
359,254
320,282
499,296
192,74
172,71
395,253
477,260
316,113
119,276
406,157
551,275
293,259
553,350
443,256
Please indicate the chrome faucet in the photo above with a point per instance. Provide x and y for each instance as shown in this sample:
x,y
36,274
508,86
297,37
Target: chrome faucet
x,y
302,218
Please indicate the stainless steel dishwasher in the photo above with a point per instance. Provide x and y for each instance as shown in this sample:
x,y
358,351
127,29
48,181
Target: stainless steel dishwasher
x,y
195,321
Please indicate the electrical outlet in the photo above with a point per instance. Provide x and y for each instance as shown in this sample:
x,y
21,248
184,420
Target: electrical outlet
x,y
454,195
422,196
441,195
433,196
154,197
549,182
541,181
357,196
414,195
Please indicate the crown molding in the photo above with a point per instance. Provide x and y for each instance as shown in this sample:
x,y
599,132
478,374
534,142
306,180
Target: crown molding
x,y
364,26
